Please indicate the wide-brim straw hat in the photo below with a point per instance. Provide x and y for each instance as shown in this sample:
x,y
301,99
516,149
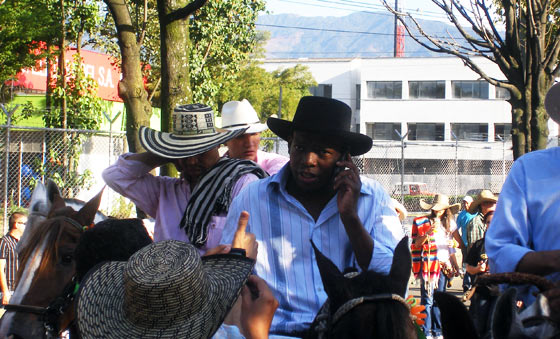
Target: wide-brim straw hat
x,y
241,114
165,290
440,202
194,132
484,195
323,116
401,210
552,102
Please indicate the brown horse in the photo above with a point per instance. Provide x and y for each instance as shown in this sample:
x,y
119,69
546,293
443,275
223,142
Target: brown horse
x,y
366,305
45,282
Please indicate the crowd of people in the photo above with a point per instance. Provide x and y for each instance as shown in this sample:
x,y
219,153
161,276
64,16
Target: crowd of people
x,y
232,255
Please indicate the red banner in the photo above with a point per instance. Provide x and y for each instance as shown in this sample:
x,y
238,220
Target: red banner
x,y
97,65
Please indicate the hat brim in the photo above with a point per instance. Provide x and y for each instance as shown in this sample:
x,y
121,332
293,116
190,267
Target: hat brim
x,y
438,207
250,128
474,205
357,143
175,146
101,314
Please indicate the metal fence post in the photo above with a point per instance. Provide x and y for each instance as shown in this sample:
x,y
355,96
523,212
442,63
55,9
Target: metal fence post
x,y
402,163
456,165
503,140
6,160
111,121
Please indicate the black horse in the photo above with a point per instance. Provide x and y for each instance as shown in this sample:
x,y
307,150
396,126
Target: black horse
x,y
365,305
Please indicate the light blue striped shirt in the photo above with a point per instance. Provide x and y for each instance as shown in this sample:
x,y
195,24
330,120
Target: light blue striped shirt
x,y
283,229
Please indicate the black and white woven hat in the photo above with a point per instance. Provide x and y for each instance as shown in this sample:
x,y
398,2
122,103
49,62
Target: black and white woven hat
x,y
165,290
194,132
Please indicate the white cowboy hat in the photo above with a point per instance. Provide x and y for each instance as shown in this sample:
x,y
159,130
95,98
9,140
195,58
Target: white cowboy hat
x,y
440,202
194,132
240,114
165,290
484,195
552,102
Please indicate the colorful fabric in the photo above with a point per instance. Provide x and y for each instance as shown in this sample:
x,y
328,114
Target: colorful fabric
x,y
283,229
8,253
425,262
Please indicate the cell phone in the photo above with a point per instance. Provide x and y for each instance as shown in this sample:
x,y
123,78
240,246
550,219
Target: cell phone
x,y
339,169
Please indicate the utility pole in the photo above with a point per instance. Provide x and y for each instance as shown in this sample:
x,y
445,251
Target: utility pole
x,y
398,48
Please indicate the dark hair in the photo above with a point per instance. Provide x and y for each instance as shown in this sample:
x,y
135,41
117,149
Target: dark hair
x,y
12,220
486,216
109,240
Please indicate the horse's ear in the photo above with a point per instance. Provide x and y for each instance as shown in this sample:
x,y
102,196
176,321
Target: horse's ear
x,y
505,314
333,279
401,267
52,190
86,214
455,319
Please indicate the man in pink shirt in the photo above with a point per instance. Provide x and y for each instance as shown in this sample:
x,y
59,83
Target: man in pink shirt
x,y
241,115
191,208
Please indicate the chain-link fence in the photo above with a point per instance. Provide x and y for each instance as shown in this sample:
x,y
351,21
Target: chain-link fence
x,y
424,168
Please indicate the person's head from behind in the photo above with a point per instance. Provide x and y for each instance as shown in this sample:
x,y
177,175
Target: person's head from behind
x,y
111,239
240,114
318,137
17,221
193,144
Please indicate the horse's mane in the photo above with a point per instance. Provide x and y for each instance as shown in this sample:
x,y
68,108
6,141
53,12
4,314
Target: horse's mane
x,y
49,231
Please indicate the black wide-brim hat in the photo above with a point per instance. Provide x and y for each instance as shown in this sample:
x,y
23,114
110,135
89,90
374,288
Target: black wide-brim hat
x,y
324,116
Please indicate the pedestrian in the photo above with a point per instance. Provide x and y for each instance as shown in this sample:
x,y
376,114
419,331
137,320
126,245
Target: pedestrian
x,y
191,208
8,254
241,114
463,219
319,196
525,236
485,202
166,290
432,246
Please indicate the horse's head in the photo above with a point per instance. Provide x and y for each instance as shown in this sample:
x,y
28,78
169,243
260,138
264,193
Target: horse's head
x,y
44,280
369,304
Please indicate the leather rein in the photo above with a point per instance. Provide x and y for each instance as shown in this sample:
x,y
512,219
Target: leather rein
x,y
57,307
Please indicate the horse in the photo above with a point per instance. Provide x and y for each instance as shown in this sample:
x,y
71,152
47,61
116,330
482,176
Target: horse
x,y
538,320
365,305
45,281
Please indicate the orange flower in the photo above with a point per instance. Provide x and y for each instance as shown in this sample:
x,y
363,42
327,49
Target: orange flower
x,y
416,310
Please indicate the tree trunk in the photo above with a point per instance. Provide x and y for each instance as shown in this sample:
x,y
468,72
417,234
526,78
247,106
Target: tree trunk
x,y
131,86
175,78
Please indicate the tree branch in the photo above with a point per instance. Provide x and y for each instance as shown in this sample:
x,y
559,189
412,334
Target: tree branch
x,y
184,12
143,33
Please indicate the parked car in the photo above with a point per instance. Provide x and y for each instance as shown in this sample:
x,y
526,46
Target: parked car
x,y
412,188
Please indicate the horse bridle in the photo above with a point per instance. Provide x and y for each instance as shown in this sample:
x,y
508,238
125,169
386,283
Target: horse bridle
x,y
59,305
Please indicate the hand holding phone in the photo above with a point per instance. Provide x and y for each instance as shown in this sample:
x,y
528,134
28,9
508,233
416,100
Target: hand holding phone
x,y
339,169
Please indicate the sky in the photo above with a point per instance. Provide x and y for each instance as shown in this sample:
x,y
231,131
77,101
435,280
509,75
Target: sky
x,y
423,8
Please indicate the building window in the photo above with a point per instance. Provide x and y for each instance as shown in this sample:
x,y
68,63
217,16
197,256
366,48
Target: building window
x,y
502,130
426,89
425,131
470,89
358,95
383,130
384,89
321,90
502,93
470,132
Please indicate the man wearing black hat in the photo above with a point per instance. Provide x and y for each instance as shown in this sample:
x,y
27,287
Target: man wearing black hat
x,y
320,196
191,208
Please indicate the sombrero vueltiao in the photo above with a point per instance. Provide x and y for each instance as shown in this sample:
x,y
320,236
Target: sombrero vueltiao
x,y
194,132
165,290
324,116
440,202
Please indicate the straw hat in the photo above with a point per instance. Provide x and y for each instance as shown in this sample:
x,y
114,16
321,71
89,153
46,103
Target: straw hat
x,y
194,132
440,202
165,290
484,195
552,102
240,114
401,210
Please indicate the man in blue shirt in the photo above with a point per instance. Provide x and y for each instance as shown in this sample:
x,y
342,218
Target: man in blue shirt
x,y
525,236
319,196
